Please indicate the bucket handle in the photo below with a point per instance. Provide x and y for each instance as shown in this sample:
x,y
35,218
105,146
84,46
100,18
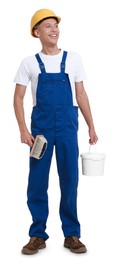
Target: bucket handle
x,y
90,147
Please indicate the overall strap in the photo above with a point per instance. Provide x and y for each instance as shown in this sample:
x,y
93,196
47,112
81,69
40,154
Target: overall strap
x,y
62,65
41,64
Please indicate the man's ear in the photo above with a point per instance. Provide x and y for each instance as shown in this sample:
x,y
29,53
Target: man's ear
x,y
36,32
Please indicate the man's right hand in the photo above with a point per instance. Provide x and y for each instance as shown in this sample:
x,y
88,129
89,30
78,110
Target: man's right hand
x,y
27,138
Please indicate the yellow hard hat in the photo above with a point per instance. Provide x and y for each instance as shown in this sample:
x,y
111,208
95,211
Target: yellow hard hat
x,y
40,15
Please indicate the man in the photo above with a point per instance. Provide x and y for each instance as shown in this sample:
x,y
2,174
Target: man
x,y
57,88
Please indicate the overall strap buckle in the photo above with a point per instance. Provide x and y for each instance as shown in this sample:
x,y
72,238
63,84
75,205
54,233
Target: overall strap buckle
x,y
62,65
41,64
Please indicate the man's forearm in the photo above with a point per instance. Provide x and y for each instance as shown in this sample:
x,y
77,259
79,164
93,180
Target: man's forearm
x,y
84,106
19,112
26,137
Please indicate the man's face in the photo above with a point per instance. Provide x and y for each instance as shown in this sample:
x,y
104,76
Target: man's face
x,y
48,32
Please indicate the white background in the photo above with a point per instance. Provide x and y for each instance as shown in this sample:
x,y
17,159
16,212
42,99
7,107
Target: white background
x,y
88,27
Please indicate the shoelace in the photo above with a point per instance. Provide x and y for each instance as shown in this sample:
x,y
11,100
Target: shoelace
x,y
35,239
32,239
76,239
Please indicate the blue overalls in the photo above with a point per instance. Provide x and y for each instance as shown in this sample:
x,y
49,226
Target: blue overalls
x,y
56,118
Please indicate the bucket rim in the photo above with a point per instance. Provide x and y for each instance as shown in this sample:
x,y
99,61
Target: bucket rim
x,y
93,156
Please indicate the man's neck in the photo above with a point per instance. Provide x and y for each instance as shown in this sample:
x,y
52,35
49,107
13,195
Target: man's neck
x,y
50,50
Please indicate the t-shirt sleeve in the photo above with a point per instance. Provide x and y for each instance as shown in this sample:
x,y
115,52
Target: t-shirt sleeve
x,y
22,76
80,74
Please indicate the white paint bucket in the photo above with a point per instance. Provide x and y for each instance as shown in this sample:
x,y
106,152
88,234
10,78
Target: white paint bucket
x,y
93,163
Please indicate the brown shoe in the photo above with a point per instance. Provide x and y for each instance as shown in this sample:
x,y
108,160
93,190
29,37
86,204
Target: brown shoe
x,y
75,245
33,246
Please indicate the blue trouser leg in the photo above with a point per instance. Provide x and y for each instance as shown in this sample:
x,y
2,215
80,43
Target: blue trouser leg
x,y
37,191
67,164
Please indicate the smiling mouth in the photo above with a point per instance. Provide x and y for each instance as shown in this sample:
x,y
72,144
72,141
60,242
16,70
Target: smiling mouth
x,y
53,35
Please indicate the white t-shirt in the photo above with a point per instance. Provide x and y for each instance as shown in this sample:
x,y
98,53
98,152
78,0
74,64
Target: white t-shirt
x,y
29,70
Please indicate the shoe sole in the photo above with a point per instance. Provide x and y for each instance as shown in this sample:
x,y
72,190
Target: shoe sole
x,y
77,251
30,252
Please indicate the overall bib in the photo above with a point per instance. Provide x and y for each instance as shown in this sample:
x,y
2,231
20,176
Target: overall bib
x,y
56,118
